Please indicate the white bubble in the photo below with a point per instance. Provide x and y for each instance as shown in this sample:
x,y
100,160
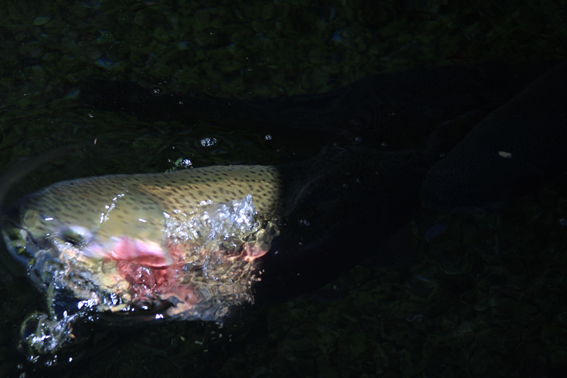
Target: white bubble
x,y
208,142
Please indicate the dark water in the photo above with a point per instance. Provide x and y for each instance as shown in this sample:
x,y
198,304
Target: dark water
x,y
467,295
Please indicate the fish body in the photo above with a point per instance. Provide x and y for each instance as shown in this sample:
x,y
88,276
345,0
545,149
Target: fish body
x,y
123,241
137,206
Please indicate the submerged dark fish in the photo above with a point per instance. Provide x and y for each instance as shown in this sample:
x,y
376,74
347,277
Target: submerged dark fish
x,y
517,148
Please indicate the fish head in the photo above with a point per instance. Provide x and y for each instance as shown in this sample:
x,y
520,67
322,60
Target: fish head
x,y
92,219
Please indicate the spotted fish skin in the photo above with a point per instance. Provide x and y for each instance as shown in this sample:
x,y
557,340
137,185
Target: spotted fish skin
x,y
96,210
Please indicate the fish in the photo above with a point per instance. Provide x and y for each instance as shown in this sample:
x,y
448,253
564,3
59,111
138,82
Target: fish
x,y
516,149
130,236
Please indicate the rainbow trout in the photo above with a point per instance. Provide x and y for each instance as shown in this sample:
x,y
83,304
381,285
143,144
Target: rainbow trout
x,y
130,242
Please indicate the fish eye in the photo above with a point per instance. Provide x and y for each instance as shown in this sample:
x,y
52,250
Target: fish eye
x,y
74,235
71,237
